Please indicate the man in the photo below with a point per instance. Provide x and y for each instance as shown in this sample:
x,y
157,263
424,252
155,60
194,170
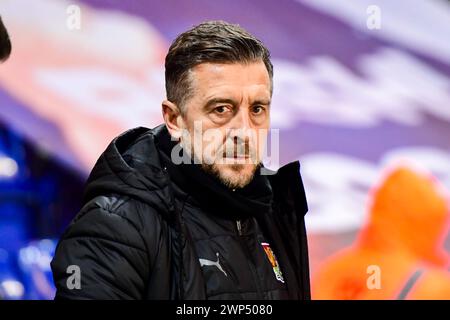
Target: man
x,y
185,210
5,43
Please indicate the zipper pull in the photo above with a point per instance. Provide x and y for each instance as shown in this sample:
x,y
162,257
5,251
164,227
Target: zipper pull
x,y
239,227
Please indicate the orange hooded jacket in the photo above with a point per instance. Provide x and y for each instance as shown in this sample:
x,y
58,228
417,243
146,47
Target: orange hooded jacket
x,y
399,253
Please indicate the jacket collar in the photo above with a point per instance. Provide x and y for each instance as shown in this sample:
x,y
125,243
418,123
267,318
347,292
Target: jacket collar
x,y
209,192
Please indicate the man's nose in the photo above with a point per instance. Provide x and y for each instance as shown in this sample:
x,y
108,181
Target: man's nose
x,y
242,119
241,130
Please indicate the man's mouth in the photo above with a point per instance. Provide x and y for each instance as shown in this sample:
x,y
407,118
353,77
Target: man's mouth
x,y
237,156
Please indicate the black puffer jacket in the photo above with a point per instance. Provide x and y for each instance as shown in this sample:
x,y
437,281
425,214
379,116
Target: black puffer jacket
x,y
150,229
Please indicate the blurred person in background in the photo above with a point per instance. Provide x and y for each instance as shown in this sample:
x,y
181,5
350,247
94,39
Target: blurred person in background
x,y
5,43
402,245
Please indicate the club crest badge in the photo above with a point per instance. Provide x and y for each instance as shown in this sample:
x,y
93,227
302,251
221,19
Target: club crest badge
x,y
273,261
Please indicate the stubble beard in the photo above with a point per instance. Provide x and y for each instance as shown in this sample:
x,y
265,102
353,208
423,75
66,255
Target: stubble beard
x,y
233,176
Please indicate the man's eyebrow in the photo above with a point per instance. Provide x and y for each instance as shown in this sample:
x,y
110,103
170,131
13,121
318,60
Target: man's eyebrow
x,y
264,102
214,101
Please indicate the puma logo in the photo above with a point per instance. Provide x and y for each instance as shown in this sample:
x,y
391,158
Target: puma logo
x,y
206,262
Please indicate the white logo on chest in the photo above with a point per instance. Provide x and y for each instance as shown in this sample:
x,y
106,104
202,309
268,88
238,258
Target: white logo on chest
x,y
206,262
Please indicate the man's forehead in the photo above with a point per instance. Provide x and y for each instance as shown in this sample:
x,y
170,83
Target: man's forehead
x,y
224,79
252,72
214,68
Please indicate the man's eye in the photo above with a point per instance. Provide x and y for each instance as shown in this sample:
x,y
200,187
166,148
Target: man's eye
x,y
220,109
257,109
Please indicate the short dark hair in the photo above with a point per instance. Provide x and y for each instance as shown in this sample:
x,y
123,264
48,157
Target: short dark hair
x,y
214,42
5,43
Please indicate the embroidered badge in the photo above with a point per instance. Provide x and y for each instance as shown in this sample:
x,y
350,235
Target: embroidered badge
x,y
273,261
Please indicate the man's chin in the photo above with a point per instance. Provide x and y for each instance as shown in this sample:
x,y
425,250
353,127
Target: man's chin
x,y
233,175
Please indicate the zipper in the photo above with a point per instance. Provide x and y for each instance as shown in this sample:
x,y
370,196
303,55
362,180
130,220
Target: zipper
x,y
249,260
239,227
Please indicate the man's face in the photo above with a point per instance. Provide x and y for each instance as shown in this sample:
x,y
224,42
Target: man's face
x,y
227,119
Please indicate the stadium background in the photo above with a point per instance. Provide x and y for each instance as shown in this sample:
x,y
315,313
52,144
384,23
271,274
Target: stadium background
x,y
349,100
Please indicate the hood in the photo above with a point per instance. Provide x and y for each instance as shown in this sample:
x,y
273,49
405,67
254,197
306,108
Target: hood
x,y
130,166
409,211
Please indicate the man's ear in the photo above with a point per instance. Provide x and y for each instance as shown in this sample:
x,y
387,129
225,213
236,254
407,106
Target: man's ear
x,y
172,118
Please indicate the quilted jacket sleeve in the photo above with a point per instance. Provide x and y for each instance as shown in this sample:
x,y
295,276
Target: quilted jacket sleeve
x,y
102,255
